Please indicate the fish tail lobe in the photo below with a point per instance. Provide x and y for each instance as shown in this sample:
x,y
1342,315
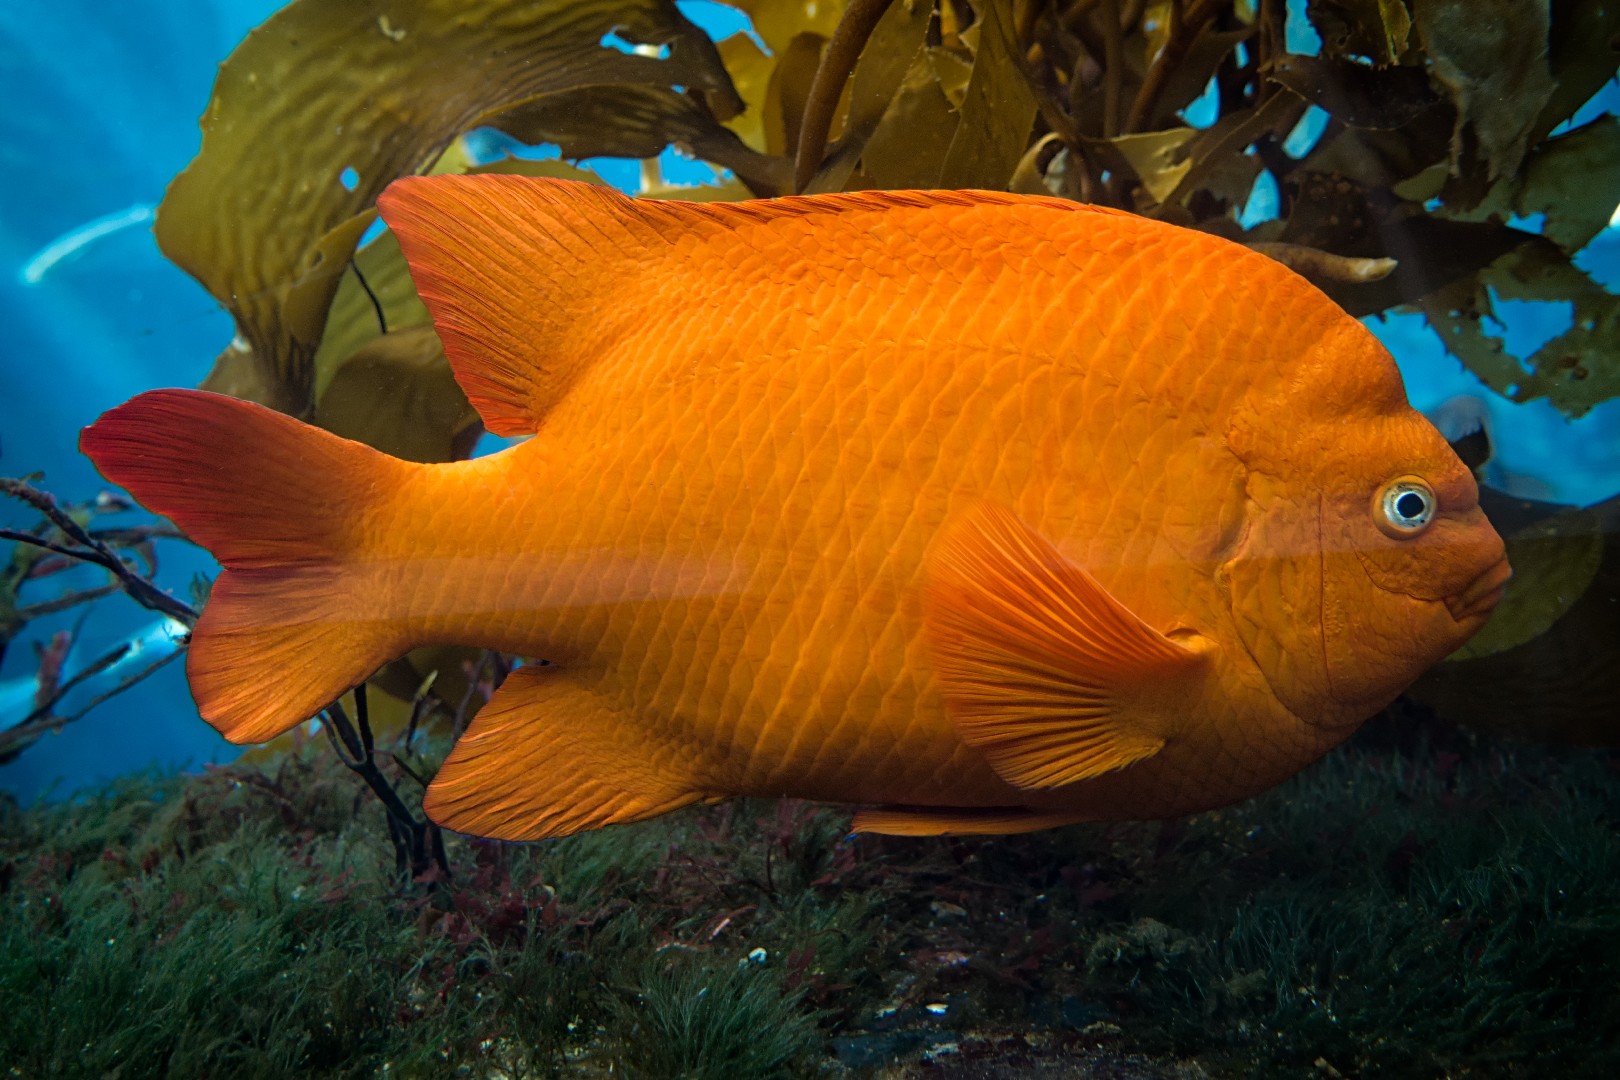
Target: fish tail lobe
x,y
282,506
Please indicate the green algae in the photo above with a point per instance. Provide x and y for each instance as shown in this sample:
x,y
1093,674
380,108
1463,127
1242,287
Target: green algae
x,y
1422,903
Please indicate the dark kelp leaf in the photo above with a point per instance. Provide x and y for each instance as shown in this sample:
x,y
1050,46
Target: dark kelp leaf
x,y
1191,76
998,112
1388,157
1490,56
1233,134
1378,30
909,146
1231,182
1430,254
326,103
1573,179
637,122
1326,211
1358,95
750,69
396,393
1574,371
1584,49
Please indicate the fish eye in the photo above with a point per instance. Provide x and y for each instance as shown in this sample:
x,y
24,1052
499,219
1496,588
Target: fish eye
x,y
1405,507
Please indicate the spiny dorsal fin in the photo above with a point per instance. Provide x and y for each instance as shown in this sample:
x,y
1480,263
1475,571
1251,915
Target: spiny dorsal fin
x,y
1044,672
526,275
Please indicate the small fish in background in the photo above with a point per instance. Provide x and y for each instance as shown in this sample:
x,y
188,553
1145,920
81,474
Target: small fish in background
x,y
990,512
1464,421
21,696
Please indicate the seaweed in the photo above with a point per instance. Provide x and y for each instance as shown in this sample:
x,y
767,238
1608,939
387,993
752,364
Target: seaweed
x,y
1435,142
1425,903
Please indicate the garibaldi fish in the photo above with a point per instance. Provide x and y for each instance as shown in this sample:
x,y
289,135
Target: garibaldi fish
x,y
989,512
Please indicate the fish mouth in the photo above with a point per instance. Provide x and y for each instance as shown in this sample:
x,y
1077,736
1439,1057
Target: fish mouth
x,y
1482,595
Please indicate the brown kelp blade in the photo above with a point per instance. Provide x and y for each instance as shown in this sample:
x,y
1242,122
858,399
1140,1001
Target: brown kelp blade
x,y
325,104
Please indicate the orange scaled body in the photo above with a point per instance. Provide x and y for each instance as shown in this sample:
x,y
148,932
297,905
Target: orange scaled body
x,y
990,512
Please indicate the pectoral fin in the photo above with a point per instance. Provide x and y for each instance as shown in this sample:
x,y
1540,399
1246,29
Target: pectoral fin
x,y
1044,672
548,757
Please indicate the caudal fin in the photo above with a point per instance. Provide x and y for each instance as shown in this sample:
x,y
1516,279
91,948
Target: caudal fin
x,y
283,507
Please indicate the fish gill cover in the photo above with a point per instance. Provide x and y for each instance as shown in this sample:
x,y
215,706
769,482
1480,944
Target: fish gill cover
x,y
1424,160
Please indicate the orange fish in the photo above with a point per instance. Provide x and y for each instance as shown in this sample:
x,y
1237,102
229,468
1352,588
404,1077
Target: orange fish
x,y
989,512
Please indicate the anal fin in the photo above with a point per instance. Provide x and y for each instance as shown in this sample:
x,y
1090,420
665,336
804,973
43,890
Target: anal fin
x,y
960,821
548,757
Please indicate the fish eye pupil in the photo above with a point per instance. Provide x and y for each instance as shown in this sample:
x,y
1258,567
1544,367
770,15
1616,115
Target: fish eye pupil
x,y
1404,507
1411,505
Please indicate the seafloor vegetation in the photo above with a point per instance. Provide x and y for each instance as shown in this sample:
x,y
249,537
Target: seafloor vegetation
x,y
1423,903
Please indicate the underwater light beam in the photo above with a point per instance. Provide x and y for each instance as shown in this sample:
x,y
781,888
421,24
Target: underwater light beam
x,y
72,241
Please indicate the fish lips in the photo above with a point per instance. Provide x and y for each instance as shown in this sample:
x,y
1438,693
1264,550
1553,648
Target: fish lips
x,y
1479,599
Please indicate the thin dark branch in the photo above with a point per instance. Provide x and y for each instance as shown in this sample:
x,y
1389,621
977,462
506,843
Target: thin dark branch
x,y
860,18
46,504
337,717
49,545
420,704
1187,22
90,671
1273,43
66,601
417,846
139,676
405,768
376,305
362,716
141,590
1113,67
459,723
1047,102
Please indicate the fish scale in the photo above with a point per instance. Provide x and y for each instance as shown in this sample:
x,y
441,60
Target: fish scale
x,y
993,511
807,413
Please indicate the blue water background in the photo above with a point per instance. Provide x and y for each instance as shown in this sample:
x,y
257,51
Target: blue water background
x,y
113,93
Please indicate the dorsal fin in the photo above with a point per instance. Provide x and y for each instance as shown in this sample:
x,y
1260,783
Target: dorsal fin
x,y
525,275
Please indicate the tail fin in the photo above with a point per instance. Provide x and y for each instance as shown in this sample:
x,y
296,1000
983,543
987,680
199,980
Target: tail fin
x,y
282,506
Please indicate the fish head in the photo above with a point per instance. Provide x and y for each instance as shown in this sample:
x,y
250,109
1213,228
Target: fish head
x,y
1411,568
1367,558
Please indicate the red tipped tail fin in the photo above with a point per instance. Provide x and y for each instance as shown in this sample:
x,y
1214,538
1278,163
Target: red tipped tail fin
x,y
281,505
